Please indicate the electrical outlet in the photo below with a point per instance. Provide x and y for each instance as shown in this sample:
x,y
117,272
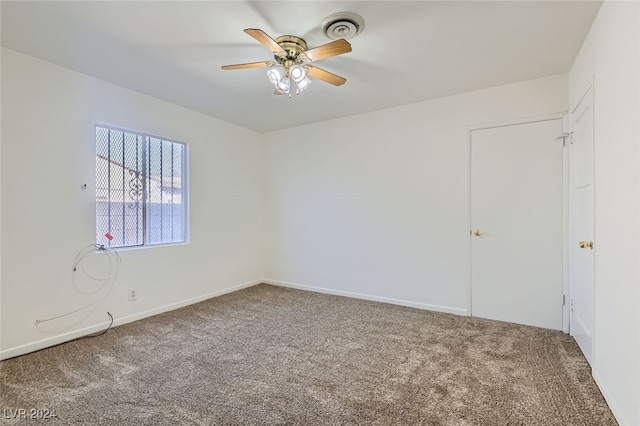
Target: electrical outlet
x,y
133,294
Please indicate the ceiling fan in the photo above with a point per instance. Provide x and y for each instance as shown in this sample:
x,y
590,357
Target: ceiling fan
x,y
291,61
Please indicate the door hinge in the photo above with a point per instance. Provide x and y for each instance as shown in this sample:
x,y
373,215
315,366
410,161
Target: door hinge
x,y
564,137
564,300
571,305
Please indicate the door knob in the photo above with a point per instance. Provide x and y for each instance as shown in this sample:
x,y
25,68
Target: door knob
x,y
477,232
586,244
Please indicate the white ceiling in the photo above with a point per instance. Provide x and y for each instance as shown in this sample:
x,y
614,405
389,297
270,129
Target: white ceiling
x,y
408,52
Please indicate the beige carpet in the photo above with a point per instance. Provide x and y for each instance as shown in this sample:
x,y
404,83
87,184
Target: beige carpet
x,y
269,355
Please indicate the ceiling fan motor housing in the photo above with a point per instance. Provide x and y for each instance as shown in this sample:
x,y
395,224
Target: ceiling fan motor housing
x,y
293,46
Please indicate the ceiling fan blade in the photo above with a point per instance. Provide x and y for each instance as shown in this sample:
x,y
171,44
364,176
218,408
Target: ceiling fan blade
x,y
248,65
323,75
265,39
328,50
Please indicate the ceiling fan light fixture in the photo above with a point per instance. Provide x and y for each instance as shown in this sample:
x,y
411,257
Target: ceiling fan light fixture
x,y
298,73
303,84
275,75
278,77
284,85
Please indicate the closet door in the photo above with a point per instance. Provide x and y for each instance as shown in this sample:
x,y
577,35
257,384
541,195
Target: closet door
x,y
582,193
517,223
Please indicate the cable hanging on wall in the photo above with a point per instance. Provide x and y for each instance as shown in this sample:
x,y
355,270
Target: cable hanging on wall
x,y
99,282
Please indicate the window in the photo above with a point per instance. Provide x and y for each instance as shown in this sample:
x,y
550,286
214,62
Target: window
x,y
140,189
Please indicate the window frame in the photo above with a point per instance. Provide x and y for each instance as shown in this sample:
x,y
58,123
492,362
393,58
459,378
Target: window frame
x,y
144,138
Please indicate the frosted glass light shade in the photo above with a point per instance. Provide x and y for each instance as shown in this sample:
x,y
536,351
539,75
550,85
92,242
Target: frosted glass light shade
x,y
297,73
283,85
275,75
303,84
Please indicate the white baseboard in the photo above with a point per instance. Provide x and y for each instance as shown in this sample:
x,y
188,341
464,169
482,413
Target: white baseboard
x,y
65,337
620,418
401,302
177,305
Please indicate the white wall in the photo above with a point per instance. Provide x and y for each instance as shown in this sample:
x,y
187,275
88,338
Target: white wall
x,y
610,57
376,205
48,151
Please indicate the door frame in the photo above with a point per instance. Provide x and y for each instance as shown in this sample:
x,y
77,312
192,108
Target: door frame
x,y
565,204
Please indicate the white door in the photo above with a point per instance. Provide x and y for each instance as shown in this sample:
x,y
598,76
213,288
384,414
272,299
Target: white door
x,y
581,247
517,223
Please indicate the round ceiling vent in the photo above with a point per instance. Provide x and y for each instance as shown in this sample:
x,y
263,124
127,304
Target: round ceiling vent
x,y
344,25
